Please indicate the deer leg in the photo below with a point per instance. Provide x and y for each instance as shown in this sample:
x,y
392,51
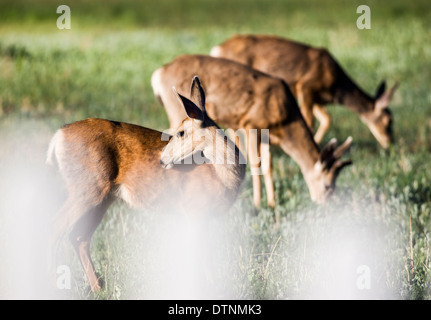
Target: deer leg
x,y
254,161
267,174
324,119
80,237
305,103
69,213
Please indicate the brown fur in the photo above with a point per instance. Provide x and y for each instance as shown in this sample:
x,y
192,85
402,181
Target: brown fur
x,y
238,96
101,160
314,77
101,155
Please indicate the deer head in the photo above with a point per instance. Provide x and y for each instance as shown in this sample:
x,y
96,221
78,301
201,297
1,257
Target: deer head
x,y
379,119
321,180
193,139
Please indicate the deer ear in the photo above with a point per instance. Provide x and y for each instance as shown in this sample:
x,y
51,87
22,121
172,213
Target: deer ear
x,y
380,90
327,152
191,109
197,94
383,101
341,150
339,165
331,154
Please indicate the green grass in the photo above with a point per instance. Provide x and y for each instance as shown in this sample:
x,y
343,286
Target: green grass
x,y
380,216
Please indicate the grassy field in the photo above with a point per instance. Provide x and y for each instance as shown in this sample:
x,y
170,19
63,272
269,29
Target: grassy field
x,y
378,224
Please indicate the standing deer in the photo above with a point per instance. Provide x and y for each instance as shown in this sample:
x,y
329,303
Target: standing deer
x,y
101,160
239,97
315,78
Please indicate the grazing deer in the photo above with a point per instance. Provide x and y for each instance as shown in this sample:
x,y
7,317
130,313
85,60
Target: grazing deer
x,y
315,78
239,97
101,160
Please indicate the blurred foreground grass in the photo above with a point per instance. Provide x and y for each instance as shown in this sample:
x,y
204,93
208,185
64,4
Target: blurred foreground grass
x,y
102,68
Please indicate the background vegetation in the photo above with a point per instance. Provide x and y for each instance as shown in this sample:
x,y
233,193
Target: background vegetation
x,y
380,216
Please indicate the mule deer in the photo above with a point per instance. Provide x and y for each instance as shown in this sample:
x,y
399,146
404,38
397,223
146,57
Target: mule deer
x,y
239,97
101,160
315,78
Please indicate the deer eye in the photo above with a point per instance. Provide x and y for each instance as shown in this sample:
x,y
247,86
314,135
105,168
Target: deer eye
x,y
180,134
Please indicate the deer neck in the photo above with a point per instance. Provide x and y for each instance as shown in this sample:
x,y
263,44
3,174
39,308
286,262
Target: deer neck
x,y
227,161
297,141
353,97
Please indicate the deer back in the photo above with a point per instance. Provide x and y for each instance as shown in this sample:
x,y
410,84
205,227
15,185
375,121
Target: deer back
x,y
100,158
237,96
